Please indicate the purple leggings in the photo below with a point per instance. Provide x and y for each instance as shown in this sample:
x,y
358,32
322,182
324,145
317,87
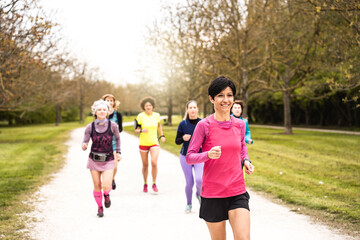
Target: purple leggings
x,y
187,169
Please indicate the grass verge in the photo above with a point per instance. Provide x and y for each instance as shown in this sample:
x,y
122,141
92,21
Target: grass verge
x,y
28,155
316,172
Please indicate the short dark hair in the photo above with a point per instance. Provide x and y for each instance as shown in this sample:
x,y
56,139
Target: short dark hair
x,y
149,99
219,84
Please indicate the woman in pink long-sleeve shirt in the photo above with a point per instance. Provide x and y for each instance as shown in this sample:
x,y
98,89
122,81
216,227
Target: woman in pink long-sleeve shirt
x,y
223,192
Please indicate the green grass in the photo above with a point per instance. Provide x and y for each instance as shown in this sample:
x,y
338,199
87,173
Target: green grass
x,y
320,171
28,155
128,118
317,172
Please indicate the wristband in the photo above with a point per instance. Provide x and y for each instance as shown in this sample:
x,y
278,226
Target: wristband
x,y
161,137
243,161
246,160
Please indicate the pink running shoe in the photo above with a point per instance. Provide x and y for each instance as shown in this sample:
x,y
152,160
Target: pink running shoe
x,y
107,201
145,188
154,187
100,212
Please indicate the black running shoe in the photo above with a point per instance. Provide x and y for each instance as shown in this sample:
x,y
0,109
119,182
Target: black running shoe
x,y
107,201
100,212
113,185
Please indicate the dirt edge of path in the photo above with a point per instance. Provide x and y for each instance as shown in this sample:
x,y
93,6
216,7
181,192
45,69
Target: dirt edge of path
x,y
317,216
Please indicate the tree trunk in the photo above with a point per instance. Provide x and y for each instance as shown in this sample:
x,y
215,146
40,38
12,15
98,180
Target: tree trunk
x,y
349,117
58,114
287,113
81,94
321,118
10,120
81,110
182,112
245,94
307,117
286,99
81,100
205,109
170,111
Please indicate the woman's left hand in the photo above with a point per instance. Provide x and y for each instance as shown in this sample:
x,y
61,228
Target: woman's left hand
x,y
162,139
249,168
118,157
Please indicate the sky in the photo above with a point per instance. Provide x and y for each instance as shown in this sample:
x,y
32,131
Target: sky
x,y
108,35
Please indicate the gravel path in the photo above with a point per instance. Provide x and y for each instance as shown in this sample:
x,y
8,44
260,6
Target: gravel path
x,y
66,209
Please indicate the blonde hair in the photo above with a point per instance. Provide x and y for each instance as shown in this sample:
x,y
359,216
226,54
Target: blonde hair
x,y
97,104
116,102
186,108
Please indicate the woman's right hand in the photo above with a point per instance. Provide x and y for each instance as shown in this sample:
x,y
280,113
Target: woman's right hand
x,y
144,130
84,146
186,137
214,152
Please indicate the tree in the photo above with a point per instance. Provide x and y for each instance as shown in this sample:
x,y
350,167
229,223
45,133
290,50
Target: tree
x,y
341,40
23,40
181,57
232,33
292,46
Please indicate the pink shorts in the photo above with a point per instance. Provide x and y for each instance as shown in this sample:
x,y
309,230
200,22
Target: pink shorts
x,y
147,148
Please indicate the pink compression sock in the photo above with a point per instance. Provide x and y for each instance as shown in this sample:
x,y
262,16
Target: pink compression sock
x,y
98,198
107,192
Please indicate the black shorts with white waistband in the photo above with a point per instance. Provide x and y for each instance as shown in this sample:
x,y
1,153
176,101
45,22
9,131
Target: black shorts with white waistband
x,y
217,209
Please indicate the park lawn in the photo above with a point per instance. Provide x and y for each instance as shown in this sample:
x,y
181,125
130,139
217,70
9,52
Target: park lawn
x,y
318,173
28,156
128,118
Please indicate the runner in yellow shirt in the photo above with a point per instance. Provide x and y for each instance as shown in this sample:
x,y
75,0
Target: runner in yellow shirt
x,y
148,125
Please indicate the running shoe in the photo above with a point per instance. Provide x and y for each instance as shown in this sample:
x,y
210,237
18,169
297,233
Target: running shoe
x,y
107,201
199,198
188,208
154,187
113,185
100,212
145,188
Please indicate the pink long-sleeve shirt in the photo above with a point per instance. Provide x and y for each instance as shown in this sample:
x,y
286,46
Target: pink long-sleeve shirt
x,y
222,177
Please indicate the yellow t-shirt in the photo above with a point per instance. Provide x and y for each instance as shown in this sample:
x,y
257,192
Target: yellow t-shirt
x,y
151,124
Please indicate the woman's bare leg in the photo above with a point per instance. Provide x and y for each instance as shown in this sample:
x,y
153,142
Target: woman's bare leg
x,y
217,230
145,162
154,152
240,223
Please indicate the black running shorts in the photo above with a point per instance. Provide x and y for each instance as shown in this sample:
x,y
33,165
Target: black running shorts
x,y
216,209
